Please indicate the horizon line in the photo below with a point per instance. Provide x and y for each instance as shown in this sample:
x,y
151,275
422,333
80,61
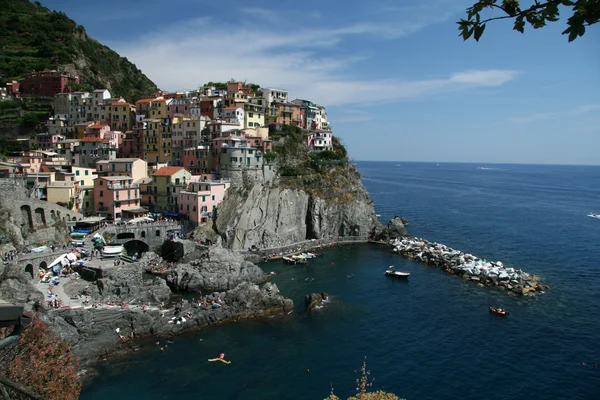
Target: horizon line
x,y
480,163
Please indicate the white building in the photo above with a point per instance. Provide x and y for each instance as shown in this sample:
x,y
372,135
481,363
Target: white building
x,y
272,95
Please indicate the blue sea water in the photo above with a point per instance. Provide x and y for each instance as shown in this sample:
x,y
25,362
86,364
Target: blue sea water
x,y
432,336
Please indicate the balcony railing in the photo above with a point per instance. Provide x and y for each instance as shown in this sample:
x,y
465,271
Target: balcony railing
x,y
122,187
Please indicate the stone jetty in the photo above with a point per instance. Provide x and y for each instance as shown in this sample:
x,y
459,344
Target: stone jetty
x,y
469,267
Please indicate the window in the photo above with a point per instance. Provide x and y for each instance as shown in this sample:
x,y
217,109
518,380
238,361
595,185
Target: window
x,y
87,204
101,193
143,234
86,172
213,197
81,183
157,233
77,172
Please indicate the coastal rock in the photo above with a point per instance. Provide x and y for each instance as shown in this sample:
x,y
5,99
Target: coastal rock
x,y
124,283
222,269
268,217
314,300
468,266
394,229
16,286
92,331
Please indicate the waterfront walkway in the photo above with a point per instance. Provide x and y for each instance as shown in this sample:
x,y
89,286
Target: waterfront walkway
x,y
305,245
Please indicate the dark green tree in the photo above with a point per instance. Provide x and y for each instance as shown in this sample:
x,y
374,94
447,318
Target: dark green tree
x,y
536,13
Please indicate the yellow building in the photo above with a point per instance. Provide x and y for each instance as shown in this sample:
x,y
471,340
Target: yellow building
x,y
157,141
122,116
158,109
85,176
254,115
167,182
61,191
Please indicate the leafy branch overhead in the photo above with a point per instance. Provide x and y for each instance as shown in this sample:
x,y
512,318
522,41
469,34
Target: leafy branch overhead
x,y
537,14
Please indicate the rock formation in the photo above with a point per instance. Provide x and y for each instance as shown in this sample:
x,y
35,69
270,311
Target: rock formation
x,y
314,300
394,229
219,270
268,217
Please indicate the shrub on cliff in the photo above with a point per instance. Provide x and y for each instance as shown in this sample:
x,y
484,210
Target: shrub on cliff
x,y
43,363
362,385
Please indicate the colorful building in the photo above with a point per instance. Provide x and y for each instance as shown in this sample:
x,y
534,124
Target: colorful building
x,y
199,200
167,182
133,167
157,141
121,115
47,83
320,141
117,197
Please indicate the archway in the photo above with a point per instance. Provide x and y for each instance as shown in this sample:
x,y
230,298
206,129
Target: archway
x,y
26,216
143,234
40,217
44,265
29,270
136,247
157,232
125,235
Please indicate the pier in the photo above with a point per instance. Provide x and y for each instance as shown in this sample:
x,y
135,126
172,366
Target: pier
x,y
469,267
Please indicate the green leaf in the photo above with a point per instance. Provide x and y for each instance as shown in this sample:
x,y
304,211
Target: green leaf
x,y
519,25
479,31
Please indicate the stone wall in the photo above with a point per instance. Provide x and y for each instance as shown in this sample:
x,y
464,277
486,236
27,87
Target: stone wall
x,y
28,221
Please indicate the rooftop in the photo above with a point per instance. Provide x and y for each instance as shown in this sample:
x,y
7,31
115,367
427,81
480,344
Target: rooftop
x,y
167,171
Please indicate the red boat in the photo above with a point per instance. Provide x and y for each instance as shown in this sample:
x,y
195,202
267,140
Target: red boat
x,y
498,310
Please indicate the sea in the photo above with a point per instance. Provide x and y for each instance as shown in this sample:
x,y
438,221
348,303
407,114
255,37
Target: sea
x,y
430,337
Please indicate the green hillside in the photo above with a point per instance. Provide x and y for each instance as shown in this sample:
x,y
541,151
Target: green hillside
x,y
33,38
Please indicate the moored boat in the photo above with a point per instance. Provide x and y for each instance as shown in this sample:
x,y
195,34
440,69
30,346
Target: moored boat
x,y
594,215
289,260
498,310
392,272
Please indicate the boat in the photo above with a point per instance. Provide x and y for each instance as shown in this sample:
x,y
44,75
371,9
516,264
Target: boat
x,y
111,251
289,260
594,215
392,272
498,311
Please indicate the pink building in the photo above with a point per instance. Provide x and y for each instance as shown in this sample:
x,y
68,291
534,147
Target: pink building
x,y
199,159
199,199
320,141
117,197
97,130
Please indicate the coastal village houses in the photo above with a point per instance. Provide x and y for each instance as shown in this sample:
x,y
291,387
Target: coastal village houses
x,y
174,154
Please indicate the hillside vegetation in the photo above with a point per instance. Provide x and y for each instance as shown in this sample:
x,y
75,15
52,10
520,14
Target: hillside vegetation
x,y
326,174
34,38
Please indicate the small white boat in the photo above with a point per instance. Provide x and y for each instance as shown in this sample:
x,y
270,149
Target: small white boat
x,y
111,251
392,272
594,215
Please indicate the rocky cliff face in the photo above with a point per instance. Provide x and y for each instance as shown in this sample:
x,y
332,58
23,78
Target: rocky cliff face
x,y
270,216
218,270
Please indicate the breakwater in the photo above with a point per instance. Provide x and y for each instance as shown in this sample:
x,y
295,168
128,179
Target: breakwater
x,y
475,269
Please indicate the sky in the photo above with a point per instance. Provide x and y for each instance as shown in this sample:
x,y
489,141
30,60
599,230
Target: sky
x,y
398,82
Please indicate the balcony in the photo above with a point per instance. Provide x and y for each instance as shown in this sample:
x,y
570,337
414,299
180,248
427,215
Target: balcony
x,y
123,187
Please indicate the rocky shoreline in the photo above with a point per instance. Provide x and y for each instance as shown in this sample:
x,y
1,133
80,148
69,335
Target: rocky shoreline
x,y
471,268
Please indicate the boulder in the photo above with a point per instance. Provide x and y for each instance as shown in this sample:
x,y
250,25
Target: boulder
x,y
221,270
313,300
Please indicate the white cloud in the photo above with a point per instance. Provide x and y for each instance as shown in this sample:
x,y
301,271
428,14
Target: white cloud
x,y
185,55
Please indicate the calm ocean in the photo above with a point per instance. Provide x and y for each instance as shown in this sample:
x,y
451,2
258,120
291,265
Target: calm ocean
x,y
431,337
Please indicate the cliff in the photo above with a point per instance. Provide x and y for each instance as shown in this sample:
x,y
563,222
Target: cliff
x,y
313,195
276,216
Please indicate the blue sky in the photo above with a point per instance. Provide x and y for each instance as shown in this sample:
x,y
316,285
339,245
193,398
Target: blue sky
x,y
397,80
